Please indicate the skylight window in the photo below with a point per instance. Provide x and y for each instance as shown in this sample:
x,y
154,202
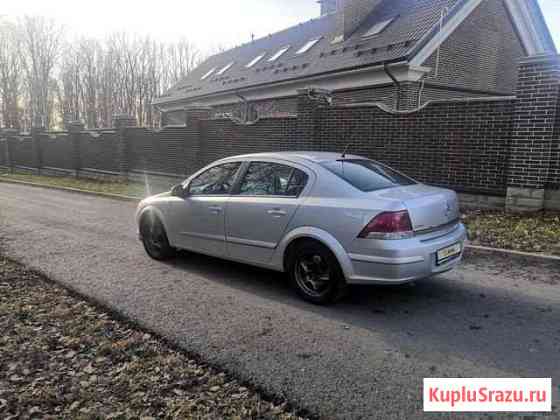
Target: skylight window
x,y
225,68
337,39
210,73
378,28
279,54
308,45
255,60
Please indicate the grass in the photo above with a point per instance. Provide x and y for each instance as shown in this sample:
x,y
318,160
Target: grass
x,y
127,188
536,232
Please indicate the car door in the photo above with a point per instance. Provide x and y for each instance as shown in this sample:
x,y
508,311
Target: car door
x,y
260,209
198,218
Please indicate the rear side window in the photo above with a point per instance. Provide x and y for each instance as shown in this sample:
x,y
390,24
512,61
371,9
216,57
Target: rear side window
x,y
272,179
367,175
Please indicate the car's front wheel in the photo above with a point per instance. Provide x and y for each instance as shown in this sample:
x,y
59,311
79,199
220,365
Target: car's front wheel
x,y
316,273
155,239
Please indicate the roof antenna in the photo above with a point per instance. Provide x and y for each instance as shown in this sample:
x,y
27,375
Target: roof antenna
x,y
346,150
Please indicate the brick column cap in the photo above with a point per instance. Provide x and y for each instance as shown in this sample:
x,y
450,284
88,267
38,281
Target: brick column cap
x,y
124,120
75,126
10,131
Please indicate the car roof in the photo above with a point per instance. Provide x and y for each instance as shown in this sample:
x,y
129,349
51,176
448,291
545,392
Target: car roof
x,y
315,157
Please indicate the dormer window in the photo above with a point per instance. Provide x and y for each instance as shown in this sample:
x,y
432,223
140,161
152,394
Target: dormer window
x,y
255,60
308,45
210,73
225,68
378,27
279,54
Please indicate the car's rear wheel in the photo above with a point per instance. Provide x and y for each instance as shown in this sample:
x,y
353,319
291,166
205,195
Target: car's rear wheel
x,y
316,273
155,239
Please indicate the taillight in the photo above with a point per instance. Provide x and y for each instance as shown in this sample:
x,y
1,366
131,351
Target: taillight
x,y
389,225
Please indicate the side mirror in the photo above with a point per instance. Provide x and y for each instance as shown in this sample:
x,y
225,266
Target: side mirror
x,y
178,191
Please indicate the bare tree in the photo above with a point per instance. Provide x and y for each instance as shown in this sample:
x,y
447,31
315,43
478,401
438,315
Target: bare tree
x,y
41,43
46,79
10,75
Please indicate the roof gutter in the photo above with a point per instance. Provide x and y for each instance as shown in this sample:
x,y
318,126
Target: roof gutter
x,y
320,76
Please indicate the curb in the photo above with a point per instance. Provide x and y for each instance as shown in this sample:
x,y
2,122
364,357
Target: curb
x,y
72,190
514,253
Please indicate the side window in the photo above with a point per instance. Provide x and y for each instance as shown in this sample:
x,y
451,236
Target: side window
x,y
215,181
272,179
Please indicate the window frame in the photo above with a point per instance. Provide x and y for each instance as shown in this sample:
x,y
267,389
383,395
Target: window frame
x,y
255,60
208,73
278,54
381,27
187,184
308,46
236,190
225,68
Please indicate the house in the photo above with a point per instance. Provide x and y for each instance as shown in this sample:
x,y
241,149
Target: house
x,y
402,53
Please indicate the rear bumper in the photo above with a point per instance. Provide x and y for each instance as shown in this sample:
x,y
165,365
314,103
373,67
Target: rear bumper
x,y
399,262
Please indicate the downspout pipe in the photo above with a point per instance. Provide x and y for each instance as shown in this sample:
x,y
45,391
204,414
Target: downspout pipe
x,y
395,82
246,102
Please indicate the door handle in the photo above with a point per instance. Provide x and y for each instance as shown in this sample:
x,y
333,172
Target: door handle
x,y
215,209
277,212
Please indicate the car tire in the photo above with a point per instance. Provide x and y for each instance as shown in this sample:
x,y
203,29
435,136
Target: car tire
x,y
316,274
154,238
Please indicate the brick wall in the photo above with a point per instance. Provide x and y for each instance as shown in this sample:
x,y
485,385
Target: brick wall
x,y
265,108
553,182
461,145
535,135
268,134
57,151
384,94
21,150
4,152
492,146
99,150
172,150
479,54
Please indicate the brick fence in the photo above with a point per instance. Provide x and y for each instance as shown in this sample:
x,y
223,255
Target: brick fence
x,y
501,151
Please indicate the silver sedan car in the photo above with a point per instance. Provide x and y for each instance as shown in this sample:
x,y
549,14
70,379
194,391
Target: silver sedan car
x,y
326,219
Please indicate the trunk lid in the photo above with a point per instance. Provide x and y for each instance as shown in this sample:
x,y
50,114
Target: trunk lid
x,y
429,207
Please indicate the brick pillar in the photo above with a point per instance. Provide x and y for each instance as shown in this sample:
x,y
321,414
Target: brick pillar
x,y
122,123
196,116
309,104
36,134
75,129
538,90
10,135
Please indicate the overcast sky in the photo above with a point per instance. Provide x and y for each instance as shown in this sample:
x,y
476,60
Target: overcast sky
x,y
209,24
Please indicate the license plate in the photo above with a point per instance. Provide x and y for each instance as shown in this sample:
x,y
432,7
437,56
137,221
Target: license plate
x,y
446,254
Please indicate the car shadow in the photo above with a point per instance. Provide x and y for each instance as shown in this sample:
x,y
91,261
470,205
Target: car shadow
x,y
450,315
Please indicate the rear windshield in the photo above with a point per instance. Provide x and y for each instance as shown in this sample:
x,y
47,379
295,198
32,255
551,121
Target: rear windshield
x,y
367,175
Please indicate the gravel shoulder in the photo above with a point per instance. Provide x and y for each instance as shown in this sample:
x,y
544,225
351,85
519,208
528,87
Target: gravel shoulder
x,y
62,357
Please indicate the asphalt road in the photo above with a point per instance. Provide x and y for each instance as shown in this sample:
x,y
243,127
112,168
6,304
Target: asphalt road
x,y
363,358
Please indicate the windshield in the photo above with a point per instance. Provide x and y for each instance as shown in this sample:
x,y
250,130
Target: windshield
x,y
367,175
